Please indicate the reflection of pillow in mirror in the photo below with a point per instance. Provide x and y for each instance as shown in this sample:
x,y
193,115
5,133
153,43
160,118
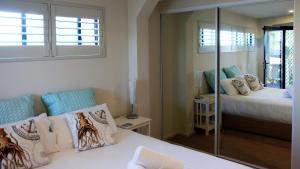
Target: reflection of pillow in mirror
x,y
210,78
232,71
241,85
253,82
228,87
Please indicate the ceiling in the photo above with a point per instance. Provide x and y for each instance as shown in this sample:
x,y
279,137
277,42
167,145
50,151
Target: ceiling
x,y
264,10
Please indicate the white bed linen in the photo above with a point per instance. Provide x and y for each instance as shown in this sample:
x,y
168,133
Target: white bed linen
x,y
117,156
266,104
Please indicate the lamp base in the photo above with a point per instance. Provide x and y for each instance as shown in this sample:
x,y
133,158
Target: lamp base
x,y
132,116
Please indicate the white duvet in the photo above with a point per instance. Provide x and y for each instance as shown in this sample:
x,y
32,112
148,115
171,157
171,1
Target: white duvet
x,y
117,156
267,104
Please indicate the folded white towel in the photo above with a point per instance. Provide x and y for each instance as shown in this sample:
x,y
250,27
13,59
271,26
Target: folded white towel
x,y
150,159
132,165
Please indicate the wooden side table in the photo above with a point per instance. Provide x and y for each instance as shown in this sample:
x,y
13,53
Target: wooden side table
x,y
141,125
204,113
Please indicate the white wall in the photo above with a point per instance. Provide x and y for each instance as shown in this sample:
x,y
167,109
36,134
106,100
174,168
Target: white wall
x,y
143,64
155,72
109,75
134,8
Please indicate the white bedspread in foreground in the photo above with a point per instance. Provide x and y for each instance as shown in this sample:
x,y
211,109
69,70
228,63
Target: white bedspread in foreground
x,y
117,156
267,104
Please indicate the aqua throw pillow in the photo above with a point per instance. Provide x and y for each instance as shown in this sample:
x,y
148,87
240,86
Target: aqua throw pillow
x,y
210,78
66,101
16,109
232,71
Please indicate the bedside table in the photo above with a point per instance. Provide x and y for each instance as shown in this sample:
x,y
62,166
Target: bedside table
x,y
204,112
141,125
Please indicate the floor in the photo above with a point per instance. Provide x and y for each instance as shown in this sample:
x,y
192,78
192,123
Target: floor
x,y
260,150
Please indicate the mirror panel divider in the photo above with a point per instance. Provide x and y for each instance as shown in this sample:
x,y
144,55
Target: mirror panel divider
x,y
217,84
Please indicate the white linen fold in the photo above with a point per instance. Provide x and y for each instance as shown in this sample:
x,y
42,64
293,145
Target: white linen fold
x,y
150,159
132,165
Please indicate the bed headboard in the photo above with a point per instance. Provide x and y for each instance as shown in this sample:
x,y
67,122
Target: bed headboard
x,y
201,83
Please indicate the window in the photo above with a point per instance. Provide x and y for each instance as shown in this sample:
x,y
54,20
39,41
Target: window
x,y
44,30
77,31
207,37
250,39
238,39
225,38
231,38
21,29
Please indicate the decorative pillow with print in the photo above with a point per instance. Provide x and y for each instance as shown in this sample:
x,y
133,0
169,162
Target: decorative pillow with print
x,y
241,85
253,82
21,146
90,128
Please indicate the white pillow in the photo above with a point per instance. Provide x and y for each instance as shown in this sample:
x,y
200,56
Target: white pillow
x,y
91,127
47,134
228,87
62,132
24,140
103,107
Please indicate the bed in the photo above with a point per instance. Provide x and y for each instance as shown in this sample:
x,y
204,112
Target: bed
x,y
264,112
117,156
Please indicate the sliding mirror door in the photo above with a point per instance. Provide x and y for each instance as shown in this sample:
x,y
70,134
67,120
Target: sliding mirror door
x,y
256,117
188,64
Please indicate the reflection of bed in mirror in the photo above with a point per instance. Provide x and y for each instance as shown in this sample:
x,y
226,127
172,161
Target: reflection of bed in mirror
x,y
265,112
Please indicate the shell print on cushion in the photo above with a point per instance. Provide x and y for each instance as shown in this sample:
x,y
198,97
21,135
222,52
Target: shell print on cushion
x,y
12,155
88,135
239,83
254,82
241,86
27,130
250,78
99,116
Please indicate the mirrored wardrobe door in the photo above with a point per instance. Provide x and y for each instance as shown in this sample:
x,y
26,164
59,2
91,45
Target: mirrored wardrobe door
x,y
255,61
188,64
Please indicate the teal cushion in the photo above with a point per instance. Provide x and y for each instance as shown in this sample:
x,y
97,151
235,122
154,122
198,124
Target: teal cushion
x,y
67,101
232,71
210,78
16,109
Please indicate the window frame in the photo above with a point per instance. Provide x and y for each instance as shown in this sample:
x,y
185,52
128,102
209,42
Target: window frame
x,y
233,32
50,36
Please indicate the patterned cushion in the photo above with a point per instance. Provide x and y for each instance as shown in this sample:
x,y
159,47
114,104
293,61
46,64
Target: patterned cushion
x,y
241,85
228,87
232,72
91,128
210,78
253,82
67,101
21,146
16,109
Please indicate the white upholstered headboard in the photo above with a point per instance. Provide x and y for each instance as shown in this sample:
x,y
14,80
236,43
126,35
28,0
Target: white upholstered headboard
x,y
201,83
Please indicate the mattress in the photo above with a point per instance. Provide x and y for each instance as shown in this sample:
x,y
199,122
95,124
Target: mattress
x,y
266,104
117,156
